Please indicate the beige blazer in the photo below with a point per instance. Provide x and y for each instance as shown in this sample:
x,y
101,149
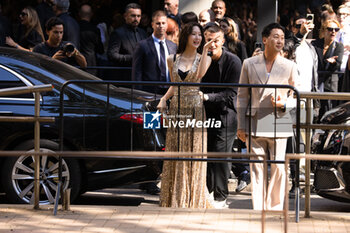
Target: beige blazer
x,y
264,122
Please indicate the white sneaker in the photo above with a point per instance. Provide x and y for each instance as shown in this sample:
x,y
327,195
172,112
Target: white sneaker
x,y
220,204
211,196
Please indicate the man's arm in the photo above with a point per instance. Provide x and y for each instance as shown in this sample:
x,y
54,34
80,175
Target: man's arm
x,y
76,55
113,51
79,58
242,103
291,101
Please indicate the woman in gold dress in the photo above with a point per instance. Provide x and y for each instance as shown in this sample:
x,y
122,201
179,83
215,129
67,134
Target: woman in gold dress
x,y
184,182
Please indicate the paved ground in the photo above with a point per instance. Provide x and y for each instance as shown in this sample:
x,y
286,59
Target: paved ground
x,y
18,218
129,210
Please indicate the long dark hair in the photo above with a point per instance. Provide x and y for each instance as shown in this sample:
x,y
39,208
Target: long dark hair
x,y
186,31
289,49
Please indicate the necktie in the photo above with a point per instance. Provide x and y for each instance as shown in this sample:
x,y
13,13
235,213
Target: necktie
x,y
137,36
162,62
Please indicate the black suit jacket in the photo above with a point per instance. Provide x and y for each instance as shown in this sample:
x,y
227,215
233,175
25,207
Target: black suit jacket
x,y
145,65
221,102
335,49
122,45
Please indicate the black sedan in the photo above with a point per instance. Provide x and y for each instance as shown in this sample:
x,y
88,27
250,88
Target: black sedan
x,y
332,178
97,117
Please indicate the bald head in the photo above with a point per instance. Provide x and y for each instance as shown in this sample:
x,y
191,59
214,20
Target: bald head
x,y
85,12
219,8
206,16
171,7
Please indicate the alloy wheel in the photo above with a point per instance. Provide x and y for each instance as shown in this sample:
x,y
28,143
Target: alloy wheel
x,y
22,177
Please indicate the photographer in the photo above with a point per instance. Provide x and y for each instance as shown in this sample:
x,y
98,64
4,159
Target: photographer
x,y
56,48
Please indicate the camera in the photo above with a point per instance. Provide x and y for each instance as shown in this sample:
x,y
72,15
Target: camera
x,y
68,48
258,45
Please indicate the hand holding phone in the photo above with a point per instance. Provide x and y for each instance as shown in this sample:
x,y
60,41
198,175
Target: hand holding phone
x,y
308,26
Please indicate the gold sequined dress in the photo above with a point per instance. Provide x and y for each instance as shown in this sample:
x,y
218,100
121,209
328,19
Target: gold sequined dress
x,y
184,182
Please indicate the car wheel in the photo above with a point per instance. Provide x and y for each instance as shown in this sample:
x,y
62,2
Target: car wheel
x,y
17,175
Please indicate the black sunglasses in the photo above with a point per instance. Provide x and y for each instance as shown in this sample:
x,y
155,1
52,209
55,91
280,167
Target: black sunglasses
x,y
333,29
297,26
23,14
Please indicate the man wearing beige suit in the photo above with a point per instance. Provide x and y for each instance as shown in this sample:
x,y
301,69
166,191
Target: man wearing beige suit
x,y
271,123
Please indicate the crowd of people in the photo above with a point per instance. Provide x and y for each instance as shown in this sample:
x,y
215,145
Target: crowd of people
x,y
305,49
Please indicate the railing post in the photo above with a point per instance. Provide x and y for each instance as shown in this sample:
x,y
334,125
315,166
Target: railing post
x,y
37,149
36,119
264,196
307,161
286,195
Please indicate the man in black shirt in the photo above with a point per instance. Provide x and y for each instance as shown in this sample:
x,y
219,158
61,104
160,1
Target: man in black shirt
x,y
56,48
90,37
219,105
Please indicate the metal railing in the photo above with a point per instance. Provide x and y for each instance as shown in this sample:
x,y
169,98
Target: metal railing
x,y
164,157
182,156
308,126
168,156
211,157
37,120
308,158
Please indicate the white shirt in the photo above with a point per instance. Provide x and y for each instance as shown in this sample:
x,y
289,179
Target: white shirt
x,y
305,65
156,44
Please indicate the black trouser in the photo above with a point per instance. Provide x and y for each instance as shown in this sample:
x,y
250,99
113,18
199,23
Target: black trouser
x,y
218,173
291,145
238,169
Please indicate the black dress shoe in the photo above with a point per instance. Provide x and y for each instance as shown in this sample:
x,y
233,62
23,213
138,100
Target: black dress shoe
x,y
150,188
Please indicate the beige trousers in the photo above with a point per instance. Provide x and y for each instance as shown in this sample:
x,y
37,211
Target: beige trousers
x,y
277,183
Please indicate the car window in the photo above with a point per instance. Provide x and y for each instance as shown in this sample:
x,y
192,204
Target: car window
x,y
9,80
